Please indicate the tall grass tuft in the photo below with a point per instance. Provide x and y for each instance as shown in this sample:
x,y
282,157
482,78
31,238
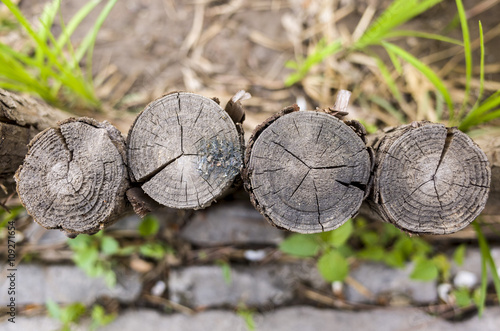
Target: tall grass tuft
x,y
50,67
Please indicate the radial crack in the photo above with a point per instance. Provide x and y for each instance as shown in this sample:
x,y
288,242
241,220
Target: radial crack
x,y
317,204
295,156
158,170
307,173
447,143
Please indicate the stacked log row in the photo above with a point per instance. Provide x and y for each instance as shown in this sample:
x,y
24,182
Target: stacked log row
x,y
185,151
428,178
306,171
74,177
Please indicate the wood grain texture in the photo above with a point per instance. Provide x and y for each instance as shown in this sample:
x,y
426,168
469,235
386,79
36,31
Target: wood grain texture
x,y
74,176
21,118
490,144
306,171
184,150
429,178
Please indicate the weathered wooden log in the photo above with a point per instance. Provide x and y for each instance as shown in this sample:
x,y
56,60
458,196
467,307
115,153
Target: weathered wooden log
x,y
428,178
74,176
185,151
306,171
21,118
490,144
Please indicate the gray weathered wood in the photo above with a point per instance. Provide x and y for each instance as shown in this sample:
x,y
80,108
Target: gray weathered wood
x,y
21,118
74,176
184,150
428,178
490,144
306,171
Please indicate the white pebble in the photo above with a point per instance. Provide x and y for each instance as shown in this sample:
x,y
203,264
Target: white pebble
x,y
465,279
252,255
444,292
158,288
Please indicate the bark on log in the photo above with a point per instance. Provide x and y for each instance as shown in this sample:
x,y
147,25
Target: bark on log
x,y
490,144
21,118
184,150
306,171
74,177
428,178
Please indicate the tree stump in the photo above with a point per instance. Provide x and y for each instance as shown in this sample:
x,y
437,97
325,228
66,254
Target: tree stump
x,y
184,150
429,178
306,171
74,177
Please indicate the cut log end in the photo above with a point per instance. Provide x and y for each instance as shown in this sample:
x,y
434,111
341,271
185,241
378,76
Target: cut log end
x,y
74,177
184,150
306,171
430,179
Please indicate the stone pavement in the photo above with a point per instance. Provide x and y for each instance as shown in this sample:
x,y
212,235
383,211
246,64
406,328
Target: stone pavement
x,y
301,318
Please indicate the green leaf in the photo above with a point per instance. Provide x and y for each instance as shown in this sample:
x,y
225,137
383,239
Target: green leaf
x,y
370,238
425,70
153,250
395,258
100,318
373,253
462,297
333,266
339,236
53,309
73,312
226,271
109,245
443,265
86,259
149,226
459,255
302,245
424,270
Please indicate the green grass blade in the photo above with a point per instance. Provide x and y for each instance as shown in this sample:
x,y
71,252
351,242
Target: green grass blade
x,y
321,52
481,63
388,107
75,22
386,74
51,58
395,61
425,70
87,45
419,34
492,115
399,12
484,107
487,259
468,55
46,20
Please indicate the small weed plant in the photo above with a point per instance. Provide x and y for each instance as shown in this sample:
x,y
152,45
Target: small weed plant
x,y
71,314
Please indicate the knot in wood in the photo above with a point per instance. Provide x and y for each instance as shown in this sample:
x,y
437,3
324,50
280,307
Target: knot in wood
x,y
308,172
